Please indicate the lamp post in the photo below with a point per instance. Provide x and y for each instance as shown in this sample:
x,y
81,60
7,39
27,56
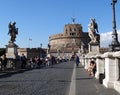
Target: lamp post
x,y
114,46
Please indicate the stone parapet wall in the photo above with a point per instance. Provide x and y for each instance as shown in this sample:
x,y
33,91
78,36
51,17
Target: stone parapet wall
x,y
107,64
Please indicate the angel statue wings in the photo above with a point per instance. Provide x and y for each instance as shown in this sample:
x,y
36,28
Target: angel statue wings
x,y
93,30
13,31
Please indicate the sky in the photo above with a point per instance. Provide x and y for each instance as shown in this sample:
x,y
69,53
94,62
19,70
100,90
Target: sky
x,y
39,19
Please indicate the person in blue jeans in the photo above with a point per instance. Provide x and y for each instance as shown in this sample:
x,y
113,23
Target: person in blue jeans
x,y
77,60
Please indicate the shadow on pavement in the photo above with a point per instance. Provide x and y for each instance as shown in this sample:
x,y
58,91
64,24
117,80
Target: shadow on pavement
x,y
4,74
83,78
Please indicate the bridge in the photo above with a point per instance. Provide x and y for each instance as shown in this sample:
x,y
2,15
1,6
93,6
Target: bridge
x,y
60,79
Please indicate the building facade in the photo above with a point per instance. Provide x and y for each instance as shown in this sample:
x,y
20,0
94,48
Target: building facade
x,y
32,52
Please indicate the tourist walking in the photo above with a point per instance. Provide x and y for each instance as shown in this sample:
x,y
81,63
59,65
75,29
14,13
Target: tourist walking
x,y
47,61
38,61
23,61
77,60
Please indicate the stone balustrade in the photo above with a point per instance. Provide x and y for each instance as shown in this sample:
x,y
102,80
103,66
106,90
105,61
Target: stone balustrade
x,y
108,64
100,65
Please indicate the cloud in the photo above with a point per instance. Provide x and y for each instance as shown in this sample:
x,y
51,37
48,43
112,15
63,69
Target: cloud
x,y
106,38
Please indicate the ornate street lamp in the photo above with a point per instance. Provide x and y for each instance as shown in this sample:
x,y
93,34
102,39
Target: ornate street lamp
x,y
114,46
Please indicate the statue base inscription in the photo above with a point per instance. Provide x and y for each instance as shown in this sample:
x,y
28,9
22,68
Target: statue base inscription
x,y
11,50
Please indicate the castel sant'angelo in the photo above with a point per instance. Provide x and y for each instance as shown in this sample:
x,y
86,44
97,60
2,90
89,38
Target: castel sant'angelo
x,y
69,41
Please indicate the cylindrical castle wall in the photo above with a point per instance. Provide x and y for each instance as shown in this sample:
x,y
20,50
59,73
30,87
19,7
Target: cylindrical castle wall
x,y
71,37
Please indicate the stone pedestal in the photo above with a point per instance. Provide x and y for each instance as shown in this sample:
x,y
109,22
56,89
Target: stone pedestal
x,y
11,50
93,51
94,47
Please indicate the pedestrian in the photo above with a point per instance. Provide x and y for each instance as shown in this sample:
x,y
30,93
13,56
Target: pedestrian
x,y
92,69
23,61
52,60
4,62
38,61
77,60
47,61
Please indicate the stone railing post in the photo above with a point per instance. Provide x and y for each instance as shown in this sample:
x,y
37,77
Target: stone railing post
x,y
117,63
82,60
87,63
117,75
110,70
100,65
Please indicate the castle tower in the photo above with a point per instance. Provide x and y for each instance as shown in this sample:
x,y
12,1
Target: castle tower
x,y
69,41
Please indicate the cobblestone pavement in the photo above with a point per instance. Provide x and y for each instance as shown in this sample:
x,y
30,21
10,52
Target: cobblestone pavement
x,y
45,81
61,79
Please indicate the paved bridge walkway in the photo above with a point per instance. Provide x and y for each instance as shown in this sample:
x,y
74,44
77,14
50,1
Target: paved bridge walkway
x,y
60,79
83,84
